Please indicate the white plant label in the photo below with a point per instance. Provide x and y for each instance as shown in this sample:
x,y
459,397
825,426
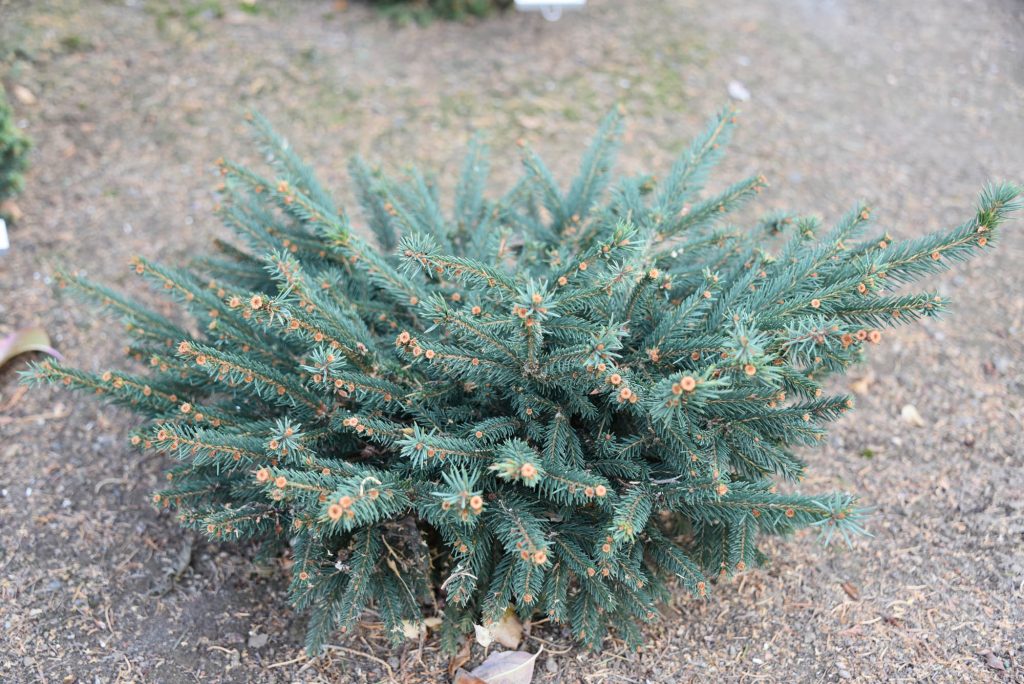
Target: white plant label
x,y
550,9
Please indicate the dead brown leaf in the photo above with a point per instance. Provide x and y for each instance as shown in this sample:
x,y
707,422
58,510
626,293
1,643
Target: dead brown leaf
x,y
992,660
508,631
25,340
504,667
11,210
463,677
23,95
862,385
461,658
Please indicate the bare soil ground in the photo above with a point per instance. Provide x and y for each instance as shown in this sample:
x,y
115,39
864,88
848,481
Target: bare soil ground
x,y
912,105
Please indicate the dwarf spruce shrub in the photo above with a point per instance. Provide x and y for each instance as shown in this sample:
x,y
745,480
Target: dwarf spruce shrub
x,y
556,401
14,146
423,11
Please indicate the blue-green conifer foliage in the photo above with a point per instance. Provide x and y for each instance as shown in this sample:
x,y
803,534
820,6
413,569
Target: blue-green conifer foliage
x,y
559,400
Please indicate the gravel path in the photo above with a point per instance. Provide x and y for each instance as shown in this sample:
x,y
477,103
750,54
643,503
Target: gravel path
x,y
912,105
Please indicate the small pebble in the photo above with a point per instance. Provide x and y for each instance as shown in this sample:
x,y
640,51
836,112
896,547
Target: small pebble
x,y
738,91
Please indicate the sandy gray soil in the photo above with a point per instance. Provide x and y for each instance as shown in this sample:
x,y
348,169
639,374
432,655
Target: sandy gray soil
x,y
912,105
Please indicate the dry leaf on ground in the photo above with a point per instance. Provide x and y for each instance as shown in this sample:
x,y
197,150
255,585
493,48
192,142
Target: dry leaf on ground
x,y
23,95
11,210
505,667
910,415
508,631
412,629
461,658
862,385
25,340
483,635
